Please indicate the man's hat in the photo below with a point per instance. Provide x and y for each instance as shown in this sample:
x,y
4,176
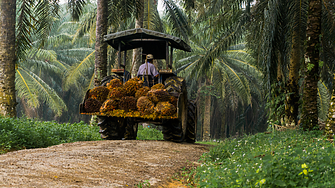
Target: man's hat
x,y
150,56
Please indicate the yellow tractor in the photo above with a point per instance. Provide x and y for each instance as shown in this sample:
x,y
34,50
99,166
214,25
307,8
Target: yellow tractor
x,y
121,102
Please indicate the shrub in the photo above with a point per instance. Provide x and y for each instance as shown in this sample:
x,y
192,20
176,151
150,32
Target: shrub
x,y
21,133
149,134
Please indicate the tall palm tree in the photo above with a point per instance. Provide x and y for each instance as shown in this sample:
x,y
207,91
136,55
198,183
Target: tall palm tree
x,y
278,35
8,58
229,76
40,71
100,46
309,117
292,99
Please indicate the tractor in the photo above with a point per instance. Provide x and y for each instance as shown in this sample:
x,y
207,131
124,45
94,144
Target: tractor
x,y
117,124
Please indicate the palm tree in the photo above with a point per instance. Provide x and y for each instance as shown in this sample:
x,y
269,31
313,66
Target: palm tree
x,y
228,76
292,99
270,39
278,31
39,76
221,28
309,117
100,46
8,58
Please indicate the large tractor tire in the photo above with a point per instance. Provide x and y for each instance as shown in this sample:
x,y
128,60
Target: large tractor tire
x,y
191,122
107,79
111,128
175,84
175,130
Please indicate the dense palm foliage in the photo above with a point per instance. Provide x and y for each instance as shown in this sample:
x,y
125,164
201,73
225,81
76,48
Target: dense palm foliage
x,y
277,35
40,75
246,55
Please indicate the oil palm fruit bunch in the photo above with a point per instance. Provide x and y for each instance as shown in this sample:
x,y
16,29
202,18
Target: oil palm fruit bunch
x,y
142,92
100,93
128,103
165,109
145,106
92,105
158,95
135,79
131,86
109,105
158,86
116,93
114,83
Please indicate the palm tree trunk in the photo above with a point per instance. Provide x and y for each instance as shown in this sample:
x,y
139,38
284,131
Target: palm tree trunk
x,y
136,52
100,46
310,110
292,105
7,58
207,116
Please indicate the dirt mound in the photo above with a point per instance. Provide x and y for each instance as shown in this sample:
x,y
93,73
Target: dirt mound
x,y
97,164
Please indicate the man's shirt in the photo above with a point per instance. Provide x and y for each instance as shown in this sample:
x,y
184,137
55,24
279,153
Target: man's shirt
x,y
151,70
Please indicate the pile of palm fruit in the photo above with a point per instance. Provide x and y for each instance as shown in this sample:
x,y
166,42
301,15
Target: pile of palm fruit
x,y
131,99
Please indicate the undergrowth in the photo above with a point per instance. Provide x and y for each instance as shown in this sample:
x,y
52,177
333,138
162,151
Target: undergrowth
x,y
24,133
149,134
21,133
290,158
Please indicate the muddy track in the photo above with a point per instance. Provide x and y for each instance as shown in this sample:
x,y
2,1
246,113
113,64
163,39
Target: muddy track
x,y
97,164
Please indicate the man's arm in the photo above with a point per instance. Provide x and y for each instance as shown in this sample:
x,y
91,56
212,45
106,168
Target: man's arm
x,y
153,70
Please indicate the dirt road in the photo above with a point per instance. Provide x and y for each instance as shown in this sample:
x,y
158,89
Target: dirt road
x,y
97,164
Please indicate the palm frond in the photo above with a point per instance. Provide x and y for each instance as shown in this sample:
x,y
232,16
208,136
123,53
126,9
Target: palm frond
x,y
24,90
78,71
48,56
24,27
76,7
39,88
237,80
178,19
323,100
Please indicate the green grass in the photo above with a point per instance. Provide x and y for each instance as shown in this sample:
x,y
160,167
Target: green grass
x,y
19,133
149,134
281,159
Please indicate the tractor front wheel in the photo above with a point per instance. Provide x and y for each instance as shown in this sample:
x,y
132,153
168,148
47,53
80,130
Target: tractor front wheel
x,y
111,128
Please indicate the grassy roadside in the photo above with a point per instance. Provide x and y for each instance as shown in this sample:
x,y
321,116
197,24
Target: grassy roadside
x,y
21,133
290,158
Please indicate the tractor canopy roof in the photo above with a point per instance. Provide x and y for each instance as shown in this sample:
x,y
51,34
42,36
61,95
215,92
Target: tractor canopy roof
x,y
152,42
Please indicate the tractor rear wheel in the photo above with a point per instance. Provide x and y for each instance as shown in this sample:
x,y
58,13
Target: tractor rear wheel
x,y
107,79
191,122
175,130
111,128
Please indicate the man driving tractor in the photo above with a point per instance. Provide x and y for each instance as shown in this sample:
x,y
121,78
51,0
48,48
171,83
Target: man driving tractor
x,y
147,72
